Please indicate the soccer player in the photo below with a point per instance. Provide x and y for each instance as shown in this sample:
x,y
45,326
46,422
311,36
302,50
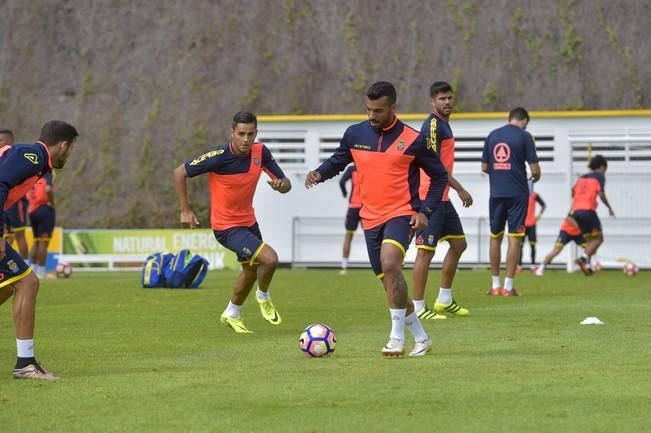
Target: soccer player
x,y
352,216
530,224
388,155
505,152
444,224
21,166
42,217
233,171
16,215
569,232
584,209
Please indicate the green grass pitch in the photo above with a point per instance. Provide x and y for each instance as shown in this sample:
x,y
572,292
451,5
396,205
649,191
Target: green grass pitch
x,y
136,360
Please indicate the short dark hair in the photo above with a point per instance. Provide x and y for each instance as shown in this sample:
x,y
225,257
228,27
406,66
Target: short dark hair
x,y
381,89
7,132
519,114
439,87
55,131
598,161
244,117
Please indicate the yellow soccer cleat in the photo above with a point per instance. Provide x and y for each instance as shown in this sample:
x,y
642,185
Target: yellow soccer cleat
x,y
427,314
451,308
235,323
269,312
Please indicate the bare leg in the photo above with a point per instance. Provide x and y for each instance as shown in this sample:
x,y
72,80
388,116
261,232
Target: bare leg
x,y
495,254
41,252
268,262
5,293
394,281
24,306
421,271
348,239
451,261
513,255
243,284
553,253
23,250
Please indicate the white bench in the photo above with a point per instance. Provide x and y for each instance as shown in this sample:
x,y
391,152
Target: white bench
x,y
108,260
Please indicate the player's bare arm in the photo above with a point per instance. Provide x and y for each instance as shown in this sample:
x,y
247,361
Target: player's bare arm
x,y
464,195
281,185
535,171
312,178
603,198
187,216
484,167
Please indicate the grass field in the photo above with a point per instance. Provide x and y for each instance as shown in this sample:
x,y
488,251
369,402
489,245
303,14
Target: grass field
x,y
136,360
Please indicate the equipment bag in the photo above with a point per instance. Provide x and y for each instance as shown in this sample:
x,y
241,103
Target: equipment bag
x,y
154,270
186,270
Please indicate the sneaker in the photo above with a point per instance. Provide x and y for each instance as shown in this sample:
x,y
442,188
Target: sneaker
x,y
511,292
421,348
427,314
495,291
269,312
518,269
583,264
235,323
34,371
452,308
394,347
538,272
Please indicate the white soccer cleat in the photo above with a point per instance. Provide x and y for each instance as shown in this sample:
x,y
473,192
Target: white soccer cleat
x,y
394,347
421,348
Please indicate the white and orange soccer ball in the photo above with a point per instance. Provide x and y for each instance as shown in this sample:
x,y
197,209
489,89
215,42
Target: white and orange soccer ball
x,y
317,340
63,270
631,269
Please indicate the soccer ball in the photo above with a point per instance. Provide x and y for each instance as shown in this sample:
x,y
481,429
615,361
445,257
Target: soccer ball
x,y
631,269
317,340
63,269
596,266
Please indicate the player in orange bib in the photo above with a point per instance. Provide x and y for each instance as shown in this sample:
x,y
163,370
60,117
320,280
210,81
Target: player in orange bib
x,y
569,232
584,209
389,155
233,171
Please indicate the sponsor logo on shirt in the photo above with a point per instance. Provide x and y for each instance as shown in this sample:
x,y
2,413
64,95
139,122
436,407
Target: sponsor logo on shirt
x,y
502,154
361,146
206,155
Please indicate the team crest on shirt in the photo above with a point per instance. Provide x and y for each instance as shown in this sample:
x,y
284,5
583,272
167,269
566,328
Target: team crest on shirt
x,y
13,267
401,144
31,157
256,161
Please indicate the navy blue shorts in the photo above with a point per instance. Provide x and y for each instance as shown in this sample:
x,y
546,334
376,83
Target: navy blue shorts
x,y
396,231
246,242
352,219
564,238
12,267
443,224
42,220
17,216
511,209
530,233
588,222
